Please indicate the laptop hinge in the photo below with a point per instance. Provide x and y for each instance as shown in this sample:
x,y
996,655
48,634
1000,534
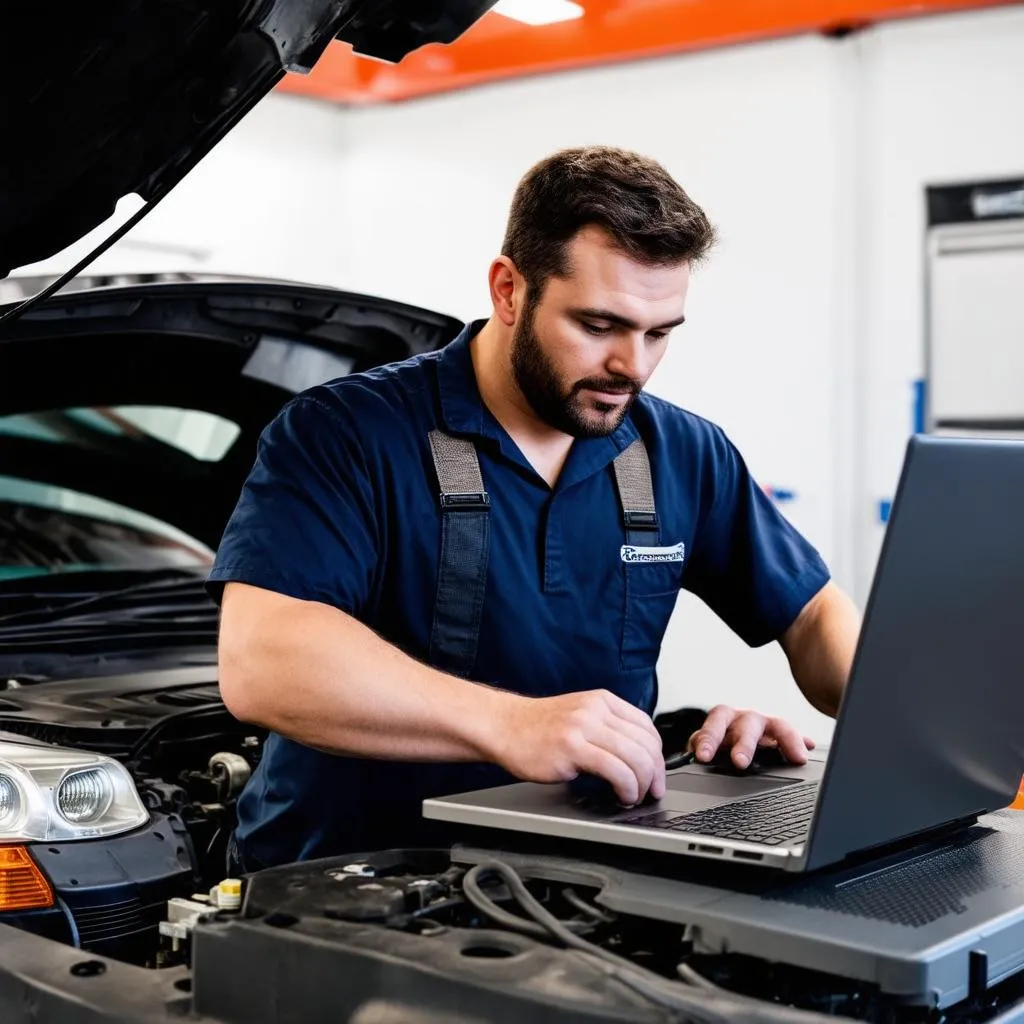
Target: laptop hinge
x,y
921,844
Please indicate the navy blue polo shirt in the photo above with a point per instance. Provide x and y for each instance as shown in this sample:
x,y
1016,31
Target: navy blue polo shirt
x,y
342,507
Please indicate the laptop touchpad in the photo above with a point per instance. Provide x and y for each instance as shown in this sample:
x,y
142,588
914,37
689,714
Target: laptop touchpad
x,y
693,790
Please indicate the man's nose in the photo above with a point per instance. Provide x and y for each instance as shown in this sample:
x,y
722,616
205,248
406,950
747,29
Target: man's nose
x,y
629,358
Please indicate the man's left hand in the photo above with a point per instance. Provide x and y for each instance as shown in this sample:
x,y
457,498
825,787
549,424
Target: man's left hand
x,y
742,732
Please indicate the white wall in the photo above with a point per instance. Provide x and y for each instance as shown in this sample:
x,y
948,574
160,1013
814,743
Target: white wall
x,y
944,101
805,329
753,134
272,199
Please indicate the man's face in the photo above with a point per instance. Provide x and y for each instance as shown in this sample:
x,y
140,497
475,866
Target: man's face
x,y
596,336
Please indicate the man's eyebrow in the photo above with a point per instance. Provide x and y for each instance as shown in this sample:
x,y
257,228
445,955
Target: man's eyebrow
x,y
622,321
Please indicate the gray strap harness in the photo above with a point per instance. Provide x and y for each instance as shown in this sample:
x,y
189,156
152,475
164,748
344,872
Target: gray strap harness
x,y
466,535
636,493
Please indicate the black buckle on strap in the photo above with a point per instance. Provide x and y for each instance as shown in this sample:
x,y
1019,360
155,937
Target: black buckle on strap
x,y
472,501
635,520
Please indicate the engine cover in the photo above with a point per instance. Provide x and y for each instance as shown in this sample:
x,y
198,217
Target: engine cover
x,y
311,937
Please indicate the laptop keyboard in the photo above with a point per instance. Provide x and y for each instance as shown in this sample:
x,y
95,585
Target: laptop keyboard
x,y
783,817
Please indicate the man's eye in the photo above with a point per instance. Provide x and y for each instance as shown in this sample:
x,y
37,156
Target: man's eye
x,y
657,335
595,329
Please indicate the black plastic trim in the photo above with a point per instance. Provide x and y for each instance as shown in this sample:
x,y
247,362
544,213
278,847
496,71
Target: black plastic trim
x,y
975,202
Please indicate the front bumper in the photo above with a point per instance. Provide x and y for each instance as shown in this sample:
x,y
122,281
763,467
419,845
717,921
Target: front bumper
x,y
112,893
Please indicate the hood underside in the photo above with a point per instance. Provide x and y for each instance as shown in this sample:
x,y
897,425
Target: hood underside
x,y
77,369
105,100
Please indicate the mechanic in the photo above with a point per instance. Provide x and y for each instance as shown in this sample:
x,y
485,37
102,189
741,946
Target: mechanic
x,y
456,571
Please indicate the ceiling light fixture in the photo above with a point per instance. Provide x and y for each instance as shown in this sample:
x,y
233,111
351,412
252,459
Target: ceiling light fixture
x,y
538,12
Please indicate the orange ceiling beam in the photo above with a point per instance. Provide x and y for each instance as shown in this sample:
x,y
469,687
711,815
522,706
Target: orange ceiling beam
x,y
496,47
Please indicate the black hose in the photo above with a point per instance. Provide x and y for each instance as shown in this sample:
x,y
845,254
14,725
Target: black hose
x,y
487,906
701,1003
580,904
692,977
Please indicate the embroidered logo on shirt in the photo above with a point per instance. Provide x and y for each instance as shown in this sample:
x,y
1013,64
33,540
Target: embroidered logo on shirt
x,y
632,553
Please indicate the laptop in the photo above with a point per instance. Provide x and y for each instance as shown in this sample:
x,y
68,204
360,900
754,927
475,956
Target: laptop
x,y
930,733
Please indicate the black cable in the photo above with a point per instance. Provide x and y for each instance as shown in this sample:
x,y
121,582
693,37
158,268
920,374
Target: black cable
x,y
76,938
216,836
703,1005
679,760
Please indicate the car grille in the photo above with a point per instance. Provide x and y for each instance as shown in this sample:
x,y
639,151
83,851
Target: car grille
x,y
117,920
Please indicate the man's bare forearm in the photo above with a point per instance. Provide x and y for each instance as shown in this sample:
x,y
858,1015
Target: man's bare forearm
x,y
820,647
309,672
318,676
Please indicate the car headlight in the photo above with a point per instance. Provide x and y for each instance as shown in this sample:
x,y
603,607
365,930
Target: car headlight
x,y
51,793
10,800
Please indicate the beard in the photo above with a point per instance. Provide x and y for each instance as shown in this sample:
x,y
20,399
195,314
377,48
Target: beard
x,y
565,408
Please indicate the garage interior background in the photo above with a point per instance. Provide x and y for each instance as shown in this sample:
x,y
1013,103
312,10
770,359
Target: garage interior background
x,y
807,328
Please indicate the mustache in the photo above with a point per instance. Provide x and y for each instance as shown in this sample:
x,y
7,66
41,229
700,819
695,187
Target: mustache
x,y
614,386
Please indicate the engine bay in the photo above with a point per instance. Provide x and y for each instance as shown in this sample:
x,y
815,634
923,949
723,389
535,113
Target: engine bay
x,y
424,935
490,933
188,756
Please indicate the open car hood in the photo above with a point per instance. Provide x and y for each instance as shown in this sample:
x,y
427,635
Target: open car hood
x,y
106,100
73,369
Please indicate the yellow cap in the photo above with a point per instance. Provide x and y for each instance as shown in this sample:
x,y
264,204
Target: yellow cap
x,y
231,887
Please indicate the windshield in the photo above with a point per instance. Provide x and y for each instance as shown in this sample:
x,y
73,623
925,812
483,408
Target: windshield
x,y
38,536
202,435
47,529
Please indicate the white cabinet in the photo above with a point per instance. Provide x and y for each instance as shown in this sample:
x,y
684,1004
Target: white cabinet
x,y
976,328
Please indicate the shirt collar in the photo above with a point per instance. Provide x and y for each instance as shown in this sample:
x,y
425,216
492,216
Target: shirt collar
x,y
462,408
463,412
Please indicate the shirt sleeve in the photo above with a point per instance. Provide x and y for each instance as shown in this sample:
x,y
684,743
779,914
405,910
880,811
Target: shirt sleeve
x,y
304,524
749,564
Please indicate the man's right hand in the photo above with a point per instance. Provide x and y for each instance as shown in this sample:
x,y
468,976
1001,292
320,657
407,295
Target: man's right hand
x,y
554,739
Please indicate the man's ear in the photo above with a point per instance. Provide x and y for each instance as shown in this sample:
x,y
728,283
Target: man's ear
x,y
508,290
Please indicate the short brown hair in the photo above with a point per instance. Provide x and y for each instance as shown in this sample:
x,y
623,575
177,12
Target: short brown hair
x,y
633,198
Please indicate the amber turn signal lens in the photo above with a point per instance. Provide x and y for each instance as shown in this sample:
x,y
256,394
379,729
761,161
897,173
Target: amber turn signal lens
x,y
22,885
1018,804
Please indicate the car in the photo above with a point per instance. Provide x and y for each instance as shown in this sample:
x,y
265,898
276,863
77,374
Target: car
x,y
119,467
129,417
